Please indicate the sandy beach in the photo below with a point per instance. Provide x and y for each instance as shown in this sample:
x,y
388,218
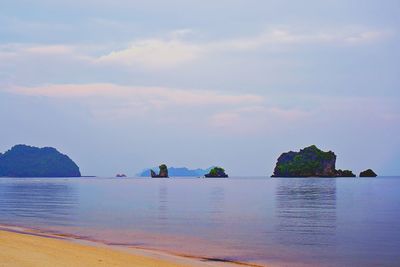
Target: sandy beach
x,y
29,249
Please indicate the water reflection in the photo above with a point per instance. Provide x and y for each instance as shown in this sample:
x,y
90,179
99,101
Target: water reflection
x,y
306,211
216,199
36,201
162,203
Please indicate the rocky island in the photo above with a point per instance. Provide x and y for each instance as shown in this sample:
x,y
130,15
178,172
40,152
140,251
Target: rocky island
x,y
309,162
163,173
344,173
368,173
29,161
216,172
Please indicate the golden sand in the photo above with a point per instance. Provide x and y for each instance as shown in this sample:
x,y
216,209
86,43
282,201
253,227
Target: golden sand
x,y
29,250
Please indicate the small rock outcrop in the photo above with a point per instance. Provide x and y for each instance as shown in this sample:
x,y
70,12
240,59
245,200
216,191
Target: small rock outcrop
x,y
163,173
29,161
120,175
368,173
216,172
344,173
309,162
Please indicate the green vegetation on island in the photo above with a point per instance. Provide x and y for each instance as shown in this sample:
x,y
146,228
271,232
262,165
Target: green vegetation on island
x,y
216,172
29,161
309,162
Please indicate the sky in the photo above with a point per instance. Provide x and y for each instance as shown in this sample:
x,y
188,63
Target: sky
x,y
123,85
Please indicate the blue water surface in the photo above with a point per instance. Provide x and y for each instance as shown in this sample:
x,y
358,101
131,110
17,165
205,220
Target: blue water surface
x,y
286,221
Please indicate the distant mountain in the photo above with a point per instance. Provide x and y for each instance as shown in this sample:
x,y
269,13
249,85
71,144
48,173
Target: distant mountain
x,y
178,172
29,161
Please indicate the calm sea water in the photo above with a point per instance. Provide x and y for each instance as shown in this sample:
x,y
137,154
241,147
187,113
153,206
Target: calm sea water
x,y
291,222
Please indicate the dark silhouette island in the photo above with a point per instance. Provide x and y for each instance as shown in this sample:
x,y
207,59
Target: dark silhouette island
x,y
309,162
368,173
216,172
163,173
29,161
344,173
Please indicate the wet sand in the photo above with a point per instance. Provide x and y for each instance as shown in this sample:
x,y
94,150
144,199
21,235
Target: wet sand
x,y
23,248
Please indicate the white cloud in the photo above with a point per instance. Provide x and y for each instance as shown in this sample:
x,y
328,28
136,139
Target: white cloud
x,y
23,51
124,102
154,53
177,50
255,119
286,37
173,51
164,95
219,111
49,49
367,36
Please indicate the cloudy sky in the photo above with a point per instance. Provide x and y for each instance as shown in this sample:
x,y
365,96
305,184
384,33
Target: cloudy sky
x,y
122,85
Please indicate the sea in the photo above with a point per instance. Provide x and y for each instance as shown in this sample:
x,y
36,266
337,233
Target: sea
x,y
252,220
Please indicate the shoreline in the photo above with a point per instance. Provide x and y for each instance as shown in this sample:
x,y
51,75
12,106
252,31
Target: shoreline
x,y
32,247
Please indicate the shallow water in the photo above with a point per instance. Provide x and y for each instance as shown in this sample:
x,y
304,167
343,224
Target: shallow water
x,y
324,222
